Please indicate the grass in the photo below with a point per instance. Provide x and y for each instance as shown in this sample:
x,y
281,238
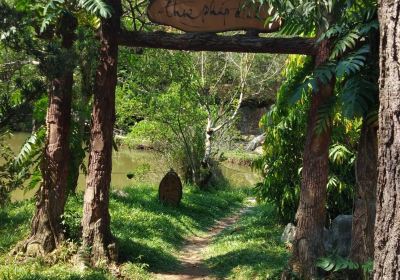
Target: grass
x,y
251,249
241,157
149,234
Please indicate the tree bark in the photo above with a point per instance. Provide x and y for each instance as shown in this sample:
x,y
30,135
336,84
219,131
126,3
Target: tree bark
x,y
208,144
46,230
214,42
362,242
310,216
96,232
387,223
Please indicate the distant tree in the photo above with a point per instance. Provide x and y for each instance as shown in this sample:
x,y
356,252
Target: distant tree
x,y
225,80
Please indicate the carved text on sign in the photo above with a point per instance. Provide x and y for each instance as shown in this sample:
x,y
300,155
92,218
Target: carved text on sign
x,y
210,15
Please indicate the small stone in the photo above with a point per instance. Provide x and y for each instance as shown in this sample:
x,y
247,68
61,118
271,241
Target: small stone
x,y
288,234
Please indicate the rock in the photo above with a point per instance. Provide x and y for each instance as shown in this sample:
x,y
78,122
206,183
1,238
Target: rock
x,y
259,150
256,142
170,190
288,233
121,193
338,238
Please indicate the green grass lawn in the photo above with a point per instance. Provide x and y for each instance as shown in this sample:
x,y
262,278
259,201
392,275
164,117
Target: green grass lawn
x,y
150,236
251,249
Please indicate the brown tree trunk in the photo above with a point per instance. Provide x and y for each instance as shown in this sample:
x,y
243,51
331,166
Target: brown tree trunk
x,y
97,237
387,223
310,217
46,230
362,242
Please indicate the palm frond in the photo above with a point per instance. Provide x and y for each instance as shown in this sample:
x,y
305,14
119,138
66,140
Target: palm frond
x,y
97,7
324,116
358,97
353,62
339,154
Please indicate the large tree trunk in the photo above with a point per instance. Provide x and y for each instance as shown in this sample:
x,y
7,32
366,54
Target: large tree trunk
x,y
97,237
362,242
46,230
387,223
310,217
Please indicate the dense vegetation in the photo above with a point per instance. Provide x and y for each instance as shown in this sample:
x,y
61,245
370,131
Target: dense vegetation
x,y
66,79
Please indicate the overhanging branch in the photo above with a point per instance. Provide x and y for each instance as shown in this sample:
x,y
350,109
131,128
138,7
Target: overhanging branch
x,y
214,42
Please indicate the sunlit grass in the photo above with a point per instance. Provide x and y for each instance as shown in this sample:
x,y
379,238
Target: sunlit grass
x,y
149,235
249,250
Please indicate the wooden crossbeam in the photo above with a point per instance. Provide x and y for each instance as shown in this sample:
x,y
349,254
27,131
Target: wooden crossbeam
x,y
214,42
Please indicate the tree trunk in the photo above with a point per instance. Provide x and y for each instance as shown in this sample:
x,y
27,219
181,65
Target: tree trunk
x,y
46,229
387,223
310,217
362,242
208,144
96,232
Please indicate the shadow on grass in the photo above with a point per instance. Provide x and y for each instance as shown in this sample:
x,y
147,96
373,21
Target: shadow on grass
x,y
146,231
256,258
251,248
90,276
136,252
150,232
153,233
14,224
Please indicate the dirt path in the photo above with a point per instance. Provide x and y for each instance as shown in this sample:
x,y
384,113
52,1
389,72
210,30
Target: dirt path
x,y
192,267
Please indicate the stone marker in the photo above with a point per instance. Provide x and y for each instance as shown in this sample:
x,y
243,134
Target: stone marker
x,y
336,239
339,238
170,190
288,234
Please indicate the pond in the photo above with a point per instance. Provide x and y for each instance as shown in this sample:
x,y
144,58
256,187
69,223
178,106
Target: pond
x,y
148,166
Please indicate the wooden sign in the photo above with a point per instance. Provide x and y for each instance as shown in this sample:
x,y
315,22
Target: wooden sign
x,y
210,15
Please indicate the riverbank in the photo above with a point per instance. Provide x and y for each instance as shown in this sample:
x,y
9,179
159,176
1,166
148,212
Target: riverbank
x,y
150,236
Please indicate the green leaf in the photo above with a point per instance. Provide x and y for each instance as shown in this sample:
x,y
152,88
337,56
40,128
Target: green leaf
x,y
98,7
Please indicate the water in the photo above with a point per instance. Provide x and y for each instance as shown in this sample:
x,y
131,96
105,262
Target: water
x,y
149,167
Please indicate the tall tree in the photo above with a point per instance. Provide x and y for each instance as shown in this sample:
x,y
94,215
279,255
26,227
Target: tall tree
x,y
387,227
362,243
97,237
310,216
46,229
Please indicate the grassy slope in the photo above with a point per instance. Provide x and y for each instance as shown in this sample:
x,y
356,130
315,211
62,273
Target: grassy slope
x,y
149,234
251,249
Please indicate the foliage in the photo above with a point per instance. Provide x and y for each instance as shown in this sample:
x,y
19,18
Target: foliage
x,y
281,164
285,137
339,267
351,28
23,167
173,121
